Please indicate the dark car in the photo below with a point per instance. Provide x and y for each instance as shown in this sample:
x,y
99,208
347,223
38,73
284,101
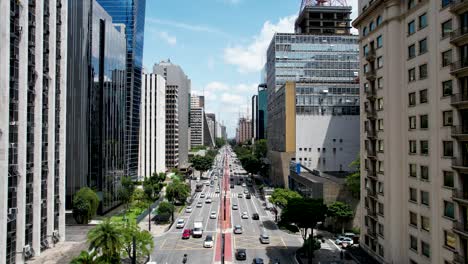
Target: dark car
x,y
255,216
232,186
257,261
241,254
248,196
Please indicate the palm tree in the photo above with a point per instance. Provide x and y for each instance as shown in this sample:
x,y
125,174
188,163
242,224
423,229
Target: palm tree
x,y
106,239
85,258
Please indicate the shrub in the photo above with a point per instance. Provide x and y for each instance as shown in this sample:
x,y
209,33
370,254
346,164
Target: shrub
x,y
85,205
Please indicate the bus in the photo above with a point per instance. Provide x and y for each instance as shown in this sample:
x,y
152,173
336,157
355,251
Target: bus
x,y
199,187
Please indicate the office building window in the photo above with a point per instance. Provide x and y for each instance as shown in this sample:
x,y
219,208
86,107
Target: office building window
x,y
413,195
412,170
424,173
423,71
446,3
411,27
424,147
413,243
449,210
379,20
412,75
380,104
411,51
364,31
380,166
413,219
365,50
380,207
380,145
423,21
425,249
381,250
380,229
371,26
448,148
366,68
448,118
411,3
448,179
425,198
412,99
412,146
379,41
446,28
379,62
380,83
447,88
423,46
380,125
423,121
380,188
425,223
412,261
412,122
446,58
450,239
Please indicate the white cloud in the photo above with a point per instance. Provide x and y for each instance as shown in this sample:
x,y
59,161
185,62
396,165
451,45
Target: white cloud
x,y
186,26
252,57
171,40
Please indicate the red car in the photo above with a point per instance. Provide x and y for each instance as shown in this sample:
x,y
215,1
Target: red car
x,y
186,234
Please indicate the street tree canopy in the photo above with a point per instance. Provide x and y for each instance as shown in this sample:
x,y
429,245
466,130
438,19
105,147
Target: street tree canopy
x,y
85,205
281,196
143,240
304,213
341,212
353,181
201,163
177,191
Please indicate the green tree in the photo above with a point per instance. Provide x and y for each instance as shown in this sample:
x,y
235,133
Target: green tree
x,y
86,258
201,163
143,240
220,142
353,181
341,212
165,208
260,148
305,214
126,190
281,196
106,239
177,191
250,163
85,205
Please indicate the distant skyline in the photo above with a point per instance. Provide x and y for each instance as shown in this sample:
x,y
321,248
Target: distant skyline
x,y
220,44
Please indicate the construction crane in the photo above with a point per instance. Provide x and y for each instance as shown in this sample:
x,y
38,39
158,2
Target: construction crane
x,y
322,3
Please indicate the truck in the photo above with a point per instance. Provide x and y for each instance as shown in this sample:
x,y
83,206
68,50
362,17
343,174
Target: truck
x,y
197,230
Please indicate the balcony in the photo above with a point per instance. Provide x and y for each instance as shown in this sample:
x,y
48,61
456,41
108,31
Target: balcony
x,y
371,173
459,100
370,56
459,68
371,232
458,259
371,133
459,6
371,113
460,165
372,213
460,228
459,36
460,132
460,196
371,193
371,153
371,93
371,75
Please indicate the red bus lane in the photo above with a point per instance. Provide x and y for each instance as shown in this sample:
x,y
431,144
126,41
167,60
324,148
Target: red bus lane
x,y
224,223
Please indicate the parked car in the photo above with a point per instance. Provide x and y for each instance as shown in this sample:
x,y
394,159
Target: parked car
x,y
241,254
264,238
188,209
255,216
208,200
237,229
180,223
208,243
186,234
235,207
342,239
257,261
213,215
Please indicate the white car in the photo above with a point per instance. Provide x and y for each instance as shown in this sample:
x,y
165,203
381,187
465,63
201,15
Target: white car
x,y
202,195
188,209
264,238
180,223
237,229
246,191
217,190
213,215
208,200
245,215
207,183
208,243
243,184
341,239
235,207
199,204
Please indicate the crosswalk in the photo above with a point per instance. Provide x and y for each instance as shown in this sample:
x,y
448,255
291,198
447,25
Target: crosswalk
x,y
214,195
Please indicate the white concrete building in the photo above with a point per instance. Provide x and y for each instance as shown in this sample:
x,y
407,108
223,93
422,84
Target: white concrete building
x,y
152,153
196,126
33,72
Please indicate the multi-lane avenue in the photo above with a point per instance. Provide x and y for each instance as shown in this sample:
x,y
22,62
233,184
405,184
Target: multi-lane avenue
x,y
242,203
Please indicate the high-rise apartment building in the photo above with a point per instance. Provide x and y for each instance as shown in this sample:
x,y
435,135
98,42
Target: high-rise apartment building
x,y
211,120
254,113
152,157
131,13
322,58
197,116
96,96
178,87
414,84
244,128
33,92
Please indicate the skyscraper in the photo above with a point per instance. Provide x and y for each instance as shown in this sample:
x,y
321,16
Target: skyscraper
x,y
96,99
32,127
262,115
254,109
131,13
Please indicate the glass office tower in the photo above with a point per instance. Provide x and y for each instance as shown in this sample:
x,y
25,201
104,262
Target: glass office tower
x,y
131,13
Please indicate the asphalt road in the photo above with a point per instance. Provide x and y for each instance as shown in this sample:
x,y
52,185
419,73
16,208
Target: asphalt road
x,y
170,248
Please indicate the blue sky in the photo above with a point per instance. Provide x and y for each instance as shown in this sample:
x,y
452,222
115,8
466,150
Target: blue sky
x,y
220,44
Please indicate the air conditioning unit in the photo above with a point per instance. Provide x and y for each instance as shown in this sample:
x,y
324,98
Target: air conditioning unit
x,y
28,252
12,211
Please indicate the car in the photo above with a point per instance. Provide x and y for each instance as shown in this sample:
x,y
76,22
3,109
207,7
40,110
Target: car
x,y
255,216
241,254
208,243
199,204
350,235
215,178
248,196
264,238
240,195
188,209
246,191
245,215
243,184
235,207
208,200
341,239
217,190
232,186
207,183
213,215
186,234
180,223
202,195
258,261
237,229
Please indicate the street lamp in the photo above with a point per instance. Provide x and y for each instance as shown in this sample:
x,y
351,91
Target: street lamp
x,y
149,217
